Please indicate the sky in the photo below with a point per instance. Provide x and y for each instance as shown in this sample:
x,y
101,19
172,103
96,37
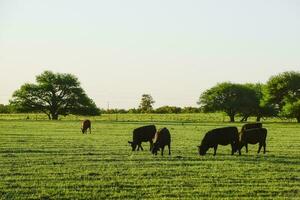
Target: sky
x,y
171,49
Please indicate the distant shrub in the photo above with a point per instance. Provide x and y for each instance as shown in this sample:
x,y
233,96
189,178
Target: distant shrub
x,y
5,109
168,109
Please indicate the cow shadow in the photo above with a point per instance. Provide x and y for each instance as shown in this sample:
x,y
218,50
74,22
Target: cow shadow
x,y
254,158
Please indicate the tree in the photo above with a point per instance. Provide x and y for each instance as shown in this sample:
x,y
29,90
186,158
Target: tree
x,y
168,109
292,109
190,109
5,109
134,110
283,92
54,94
259,108
114,111
229,98
146,105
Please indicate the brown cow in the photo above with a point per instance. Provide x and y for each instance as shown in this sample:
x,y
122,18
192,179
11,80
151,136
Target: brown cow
x,y
86,124
253,136
161,139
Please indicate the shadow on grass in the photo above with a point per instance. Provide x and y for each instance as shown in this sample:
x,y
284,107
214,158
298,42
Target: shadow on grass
x,y
220,157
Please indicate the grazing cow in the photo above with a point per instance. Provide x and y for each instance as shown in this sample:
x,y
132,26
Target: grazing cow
x,y
86,124
222,136
142,134
251,125
161,139
253,136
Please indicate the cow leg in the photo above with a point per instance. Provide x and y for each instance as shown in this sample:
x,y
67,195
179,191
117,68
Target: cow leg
x,y
264,148
141,147
246,146
169,146
241,145
239,148
259,148
162,150
232,148
151,145
215,149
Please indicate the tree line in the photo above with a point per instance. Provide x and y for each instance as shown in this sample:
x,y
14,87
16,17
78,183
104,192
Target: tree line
x,y
278,97
159,110
58,94
146,106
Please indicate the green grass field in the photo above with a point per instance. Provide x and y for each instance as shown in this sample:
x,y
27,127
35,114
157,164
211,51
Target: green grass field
x,y
53,160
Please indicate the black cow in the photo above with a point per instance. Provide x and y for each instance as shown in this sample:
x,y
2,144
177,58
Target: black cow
x,y
142,134
161,139
251,125
253,136
222,136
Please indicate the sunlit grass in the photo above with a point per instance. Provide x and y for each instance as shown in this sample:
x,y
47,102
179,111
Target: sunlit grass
x,y
52,160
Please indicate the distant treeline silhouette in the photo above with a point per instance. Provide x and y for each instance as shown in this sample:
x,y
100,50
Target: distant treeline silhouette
x,y
160,110
61,94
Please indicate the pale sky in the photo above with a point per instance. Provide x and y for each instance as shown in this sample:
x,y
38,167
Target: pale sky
x,y
171,49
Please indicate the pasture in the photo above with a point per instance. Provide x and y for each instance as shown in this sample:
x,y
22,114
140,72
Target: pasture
x,y
42,159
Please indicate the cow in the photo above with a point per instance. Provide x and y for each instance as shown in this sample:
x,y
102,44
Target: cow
x,y
253,136
142,134
161,139
222,136
251,125
86,124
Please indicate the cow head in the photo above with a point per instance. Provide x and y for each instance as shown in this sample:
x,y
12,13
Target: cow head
x,y
155,148
133,145
236,147
82,130
202,149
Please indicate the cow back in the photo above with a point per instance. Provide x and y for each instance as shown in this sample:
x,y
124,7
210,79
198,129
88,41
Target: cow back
x,y
86,124
162,136
144,133
221,136
253,136
251,126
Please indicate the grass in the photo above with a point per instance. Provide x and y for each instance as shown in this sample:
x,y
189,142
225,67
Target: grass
x,y
53,160
177,118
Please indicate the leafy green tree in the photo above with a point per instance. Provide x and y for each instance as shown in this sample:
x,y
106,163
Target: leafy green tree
x,y
134,110
5,108
254,110
190,109
229,98
259,108
146,105
291,109
283,92
54,94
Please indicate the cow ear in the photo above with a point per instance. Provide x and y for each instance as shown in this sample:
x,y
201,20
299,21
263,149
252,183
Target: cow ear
x,y
129,142
198,146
